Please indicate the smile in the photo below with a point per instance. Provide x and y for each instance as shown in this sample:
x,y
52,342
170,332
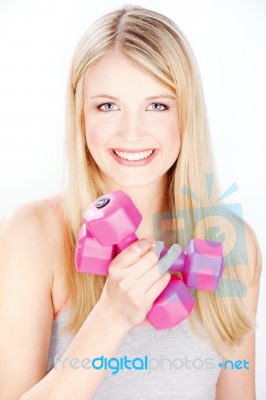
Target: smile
x,y
136,158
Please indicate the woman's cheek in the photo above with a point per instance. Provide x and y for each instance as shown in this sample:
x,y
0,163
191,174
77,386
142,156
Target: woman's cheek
x,y
93,127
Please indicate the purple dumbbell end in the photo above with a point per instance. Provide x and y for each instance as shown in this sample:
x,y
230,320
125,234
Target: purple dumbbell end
x,y
204,264
113,219
172,306
90,256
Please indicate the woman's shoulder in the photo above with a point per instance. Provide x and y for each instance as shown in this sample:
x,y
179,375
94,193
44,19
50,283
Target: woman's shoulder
x,y
35,227
36,218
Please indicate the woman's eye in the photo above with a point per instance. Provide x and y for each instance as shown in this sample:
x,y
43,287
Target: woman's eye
x,y
105,108
159,107
155,107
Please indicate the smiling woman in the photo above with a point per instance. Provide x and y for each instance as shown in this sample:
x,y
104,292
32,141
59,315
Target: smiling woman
x,y
131,132
148,136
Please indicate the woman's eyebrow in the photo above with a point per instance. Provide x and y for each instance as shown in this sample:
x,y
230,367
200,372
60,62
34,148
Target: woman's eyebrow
x,y
164,96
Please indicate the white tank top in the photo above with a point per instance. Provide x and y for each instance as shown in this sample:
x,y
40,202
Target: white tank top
x,y
175,363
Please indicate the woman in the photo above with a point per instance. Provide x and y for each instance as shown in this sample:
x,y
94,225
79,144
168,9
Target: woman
x,y
136,121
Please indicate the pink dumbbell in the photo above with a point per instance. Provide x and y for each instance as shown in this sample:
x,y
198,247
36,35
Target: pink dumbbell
x,y
90,256
112,220
93,258
174,304
201,264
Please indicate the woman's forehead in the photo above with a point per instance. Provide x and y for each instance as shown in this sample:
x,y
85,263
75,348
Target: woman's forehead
x,y
114,75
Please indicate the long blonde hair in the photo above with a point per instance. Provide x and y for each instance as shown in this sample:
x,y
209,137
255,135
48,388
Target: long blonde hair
x,y
156,43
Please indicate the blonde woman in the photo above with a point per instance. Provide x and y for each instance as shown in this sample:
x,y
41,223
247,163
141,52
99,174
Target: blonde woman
x,y
134,87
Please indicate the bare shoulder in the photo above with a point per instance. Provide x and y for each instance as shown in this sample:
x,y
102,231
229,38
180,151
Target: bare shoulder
x,y
33,223
35,227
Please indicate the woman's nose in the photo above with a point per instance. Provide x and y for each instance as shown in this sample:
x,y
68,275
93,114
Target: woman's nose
x,y
132,127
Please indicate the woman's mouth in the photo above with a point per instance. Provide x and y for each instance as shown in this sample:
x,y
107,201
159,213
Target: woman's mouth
x,y
133,158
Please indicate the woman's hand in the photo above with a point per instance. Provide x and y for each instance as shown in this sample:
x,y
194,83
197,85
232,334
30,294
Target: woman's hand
x,y
134,281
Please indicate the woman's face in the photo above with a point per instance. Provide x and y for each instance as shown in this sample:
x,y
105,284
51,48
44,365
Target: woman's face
x,y
131,122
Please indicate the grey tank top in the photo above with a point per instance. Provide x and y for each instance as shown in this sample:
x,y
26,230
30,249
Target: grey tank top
x,y
176,364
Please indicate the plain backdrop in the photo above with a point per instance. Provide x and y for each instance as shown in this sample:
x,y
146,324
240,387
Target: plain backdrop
x,y
37,40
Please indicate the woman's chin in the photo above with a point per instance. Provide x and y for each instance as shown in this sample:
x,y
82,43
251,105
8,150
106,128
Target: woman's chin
x,y
131,183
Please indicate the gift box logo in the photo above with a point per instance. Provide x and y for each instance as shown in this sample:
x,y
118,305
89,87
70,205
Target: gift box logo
x,y
225,225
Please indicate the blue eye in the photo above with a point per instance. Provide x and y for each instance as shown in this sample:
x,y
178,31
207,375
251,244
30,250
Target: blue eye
x,y
160,104
104,104
165,107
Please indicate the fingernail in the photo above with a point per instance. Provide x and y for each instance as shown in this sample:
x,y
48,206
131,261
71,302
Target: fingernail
x,y
159,246
166,261
176,248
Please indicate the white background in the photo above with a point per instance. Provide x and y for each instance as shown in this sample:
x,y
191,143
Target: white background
x,y
37,39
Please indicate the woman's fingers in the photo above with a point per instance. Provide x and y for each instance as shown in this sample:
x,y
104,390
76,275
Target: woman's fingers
x,y
151,261
136,277
131,254
156,289
168,259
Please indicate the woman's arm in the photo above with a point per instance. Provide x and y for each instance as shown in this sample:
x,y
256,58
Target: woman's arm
x,y
240,383
100,335
26,312
26,315
26,309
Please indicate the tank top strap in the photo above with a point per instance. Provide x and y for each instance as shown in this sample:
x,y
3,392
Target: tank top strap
x,y
56,207
59,211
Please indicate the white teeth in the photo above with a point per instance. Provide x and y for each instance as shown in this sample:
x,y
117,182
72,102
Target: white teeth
x,y
134,156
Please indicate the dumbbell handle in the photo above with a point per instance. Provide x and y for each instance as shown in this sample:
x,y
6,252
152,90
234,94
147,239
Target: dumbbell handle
x,y
177,266
125,243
